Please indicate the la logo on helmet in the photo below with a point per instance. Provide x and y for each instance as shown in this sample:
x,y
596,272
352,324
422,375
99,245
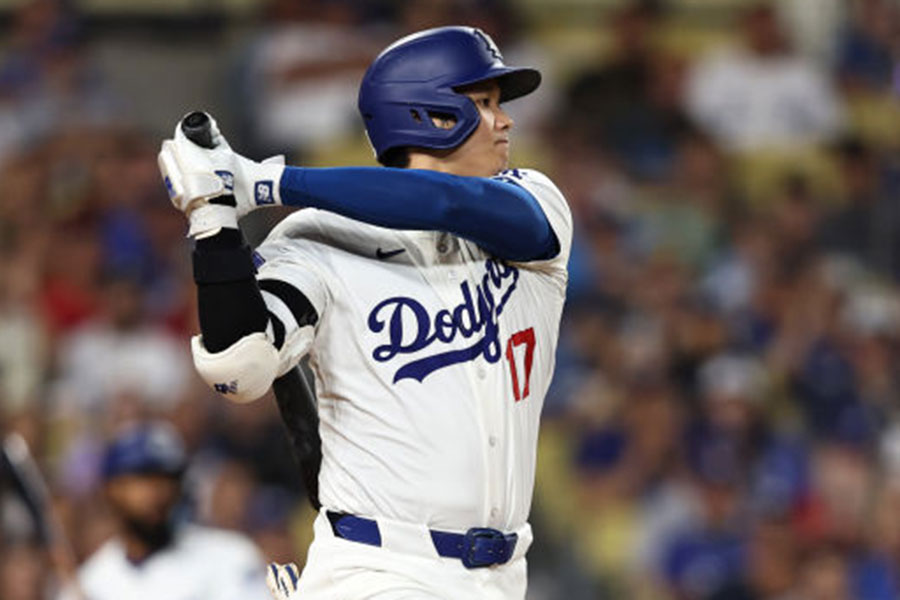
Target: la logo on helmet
x,y
489,43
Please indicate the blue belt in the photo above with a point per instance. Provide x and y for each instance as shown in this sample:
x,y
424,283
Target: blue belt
x,y
478,547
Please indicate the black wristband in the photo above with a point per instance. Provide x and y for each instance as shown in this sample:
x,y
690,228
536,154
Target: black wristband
x,y
226,200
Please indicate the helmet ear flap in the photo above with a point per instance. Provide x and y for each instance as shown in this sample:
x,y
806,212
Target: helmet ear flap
x,y
433,120
442,120
420,124
430,122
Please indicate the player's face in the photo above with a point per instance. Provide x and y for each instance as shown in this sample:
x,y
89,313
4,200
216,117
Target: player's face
x,y
486,151
144,503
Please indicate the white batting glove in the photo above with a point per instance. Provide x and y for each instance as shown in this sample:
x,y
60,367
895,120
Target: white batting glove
x,y
216,186
283,580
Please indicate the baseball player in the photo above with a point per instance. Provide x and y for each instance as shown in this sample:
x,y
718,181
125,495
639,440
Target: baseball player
x,y
152,556
428,297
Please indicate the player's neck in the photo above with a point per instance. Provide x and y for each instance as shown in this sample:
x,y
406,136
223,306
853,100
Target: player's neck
x,y
429,162
442,162
136,551
140,545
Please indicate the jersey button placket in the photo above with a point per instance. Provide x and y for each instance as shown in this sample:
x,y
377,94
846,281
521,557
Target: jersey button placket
x,y
493,416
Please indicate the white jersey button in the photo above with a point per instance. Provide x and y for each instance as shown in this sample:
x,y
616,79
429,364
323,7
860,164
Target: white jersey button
x,y
492,440
494,512
481,373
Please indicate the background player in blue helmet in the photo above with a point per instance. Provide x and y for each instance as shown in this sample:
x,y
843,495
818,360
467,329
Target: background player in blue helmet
x,y
154,555
427,297
142,472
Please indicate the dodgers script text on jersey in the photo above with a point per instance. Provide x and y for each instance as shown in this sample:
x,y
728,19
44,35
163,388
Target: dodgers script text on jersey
x,y
411,327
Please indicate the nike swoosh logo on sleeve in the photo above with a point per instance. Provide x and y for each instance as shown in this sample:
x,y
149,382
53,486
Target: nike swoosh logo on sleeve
x,y
385,254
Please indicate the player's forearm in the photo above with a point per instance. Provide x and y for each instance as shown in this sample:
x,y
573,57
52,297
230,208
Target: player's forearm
x,y
229,302
244,320
236,354
502,218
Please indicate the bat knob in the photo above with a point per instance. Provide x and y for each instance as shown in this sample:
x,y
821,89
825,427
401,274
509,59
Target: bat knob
x,y
197,127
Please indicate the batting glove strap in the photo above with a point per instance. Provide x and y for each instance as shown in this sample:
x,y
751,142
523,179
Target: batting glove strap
x,y
190,181
210,218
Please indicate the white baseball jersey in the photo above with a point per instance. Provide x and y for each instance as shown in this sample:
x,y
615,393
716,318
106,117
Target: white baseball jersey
x,y
201,564
431,361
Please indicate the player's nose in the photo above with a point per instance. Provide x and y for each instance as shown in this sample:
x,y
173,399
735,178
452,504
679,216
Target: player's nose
x,y
503,120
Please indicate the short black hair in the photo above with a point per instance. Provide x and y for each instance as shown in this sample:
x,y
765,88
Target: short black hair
x,y
397,158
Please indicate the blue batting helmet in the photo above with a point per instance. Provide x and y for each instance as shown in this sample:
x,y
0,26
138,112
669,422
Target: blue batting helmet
x,y
417,76
152,448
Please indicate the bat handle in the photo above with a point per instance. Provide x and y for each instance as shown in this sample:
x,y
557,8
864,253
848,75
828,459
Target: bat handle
x,y
197,127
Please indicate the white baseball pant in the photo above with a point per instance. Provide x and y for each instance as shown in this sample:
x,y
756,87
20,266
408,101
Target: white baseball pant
x,y
405,567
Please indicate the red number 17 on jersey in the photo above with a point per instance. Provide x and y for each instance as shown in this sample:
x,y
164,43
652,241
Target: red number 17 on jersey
x,y
526,338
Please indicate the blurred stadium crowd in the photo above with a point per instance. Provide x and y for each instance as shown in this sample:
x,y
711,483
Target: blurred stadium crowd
x,y
725,418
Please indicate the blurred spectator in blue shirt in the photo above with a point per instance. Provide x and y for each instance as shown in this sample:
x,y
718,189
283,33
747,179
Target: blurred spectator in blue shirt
x,y
868,48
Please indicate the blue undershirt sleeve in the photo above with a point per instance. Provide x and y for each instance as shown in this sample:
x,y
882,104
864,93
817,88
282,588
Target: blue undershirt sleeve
x,y
501,217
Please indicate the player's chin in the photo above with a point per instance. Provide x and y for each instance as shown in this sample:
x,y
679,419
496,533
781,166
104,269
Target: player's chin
x,y
502,161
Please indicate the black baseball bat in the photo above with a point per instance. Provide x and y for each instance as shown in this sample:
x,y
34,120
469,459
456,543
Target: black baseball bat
x,y
19,466
297,405
293,392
